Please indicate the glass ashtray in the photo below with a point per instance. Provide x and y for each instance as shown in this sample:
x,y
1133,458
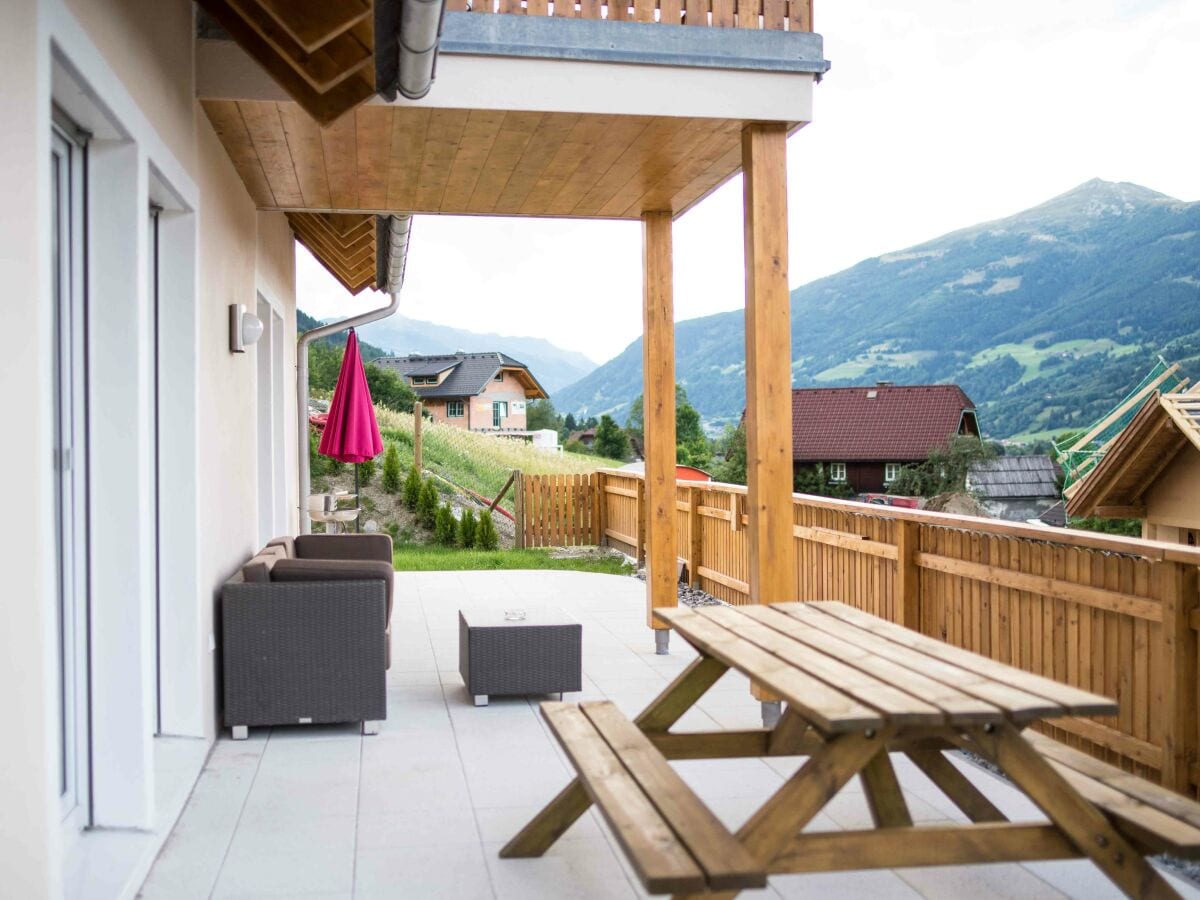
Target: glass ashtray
x,y
514,615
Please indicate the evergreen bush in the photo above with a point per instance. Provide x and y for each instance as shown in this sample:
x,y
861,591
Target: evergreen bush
x,y
485,534
391,470
366,471
427,505
445,529
412,488
466,529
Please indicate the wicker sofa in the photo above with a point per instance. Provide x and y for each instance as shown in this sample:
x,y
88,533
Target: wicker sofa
x,y
305,633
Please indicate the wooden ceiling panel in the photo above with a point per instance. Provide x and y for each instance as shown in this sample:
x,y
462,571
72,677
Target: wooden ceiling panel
x,y
384,159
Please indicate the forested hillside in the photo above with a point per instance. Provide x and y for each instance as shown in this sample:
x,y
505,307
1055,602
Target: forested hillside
x,y
1046,318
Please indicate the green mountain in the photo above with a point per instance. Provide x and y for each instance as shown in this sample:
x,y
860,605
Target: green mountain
x,y
1046,318
397,335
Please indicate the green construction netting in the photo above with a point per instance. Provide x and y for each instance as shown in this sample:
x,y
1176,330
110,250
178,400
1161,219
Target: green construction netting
x,y
1078,459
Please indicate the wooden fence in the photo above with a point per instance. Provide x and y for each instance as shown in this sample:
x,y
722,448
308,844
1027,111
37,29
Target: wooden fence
x,y
771,15
1113,615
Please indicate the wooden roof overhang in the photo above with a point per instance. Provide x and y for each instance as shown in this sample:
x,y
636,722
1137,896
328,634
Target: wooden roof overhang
x,y
1116,487
533,390
579,111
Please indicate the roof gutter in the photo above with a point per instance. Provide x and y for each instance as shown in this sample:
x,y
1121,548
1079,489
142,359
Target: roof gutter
x,y
406,46
390,266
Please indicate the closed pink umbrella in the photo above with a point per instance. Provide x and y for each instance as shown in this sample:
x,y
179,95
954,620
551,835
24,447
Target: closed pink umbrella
x,y
351,433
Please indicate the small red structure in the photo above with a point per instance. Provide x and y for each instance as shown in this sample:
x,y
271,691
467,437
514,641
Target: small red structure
x,y
691,473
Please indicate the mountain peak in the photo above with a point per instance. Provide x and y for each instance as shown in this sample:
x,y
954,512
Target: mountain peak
x,y
1098,199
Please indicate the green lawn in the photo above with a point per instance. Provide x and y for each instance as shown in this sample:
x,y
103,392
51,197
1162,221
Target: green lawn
x,y
428,558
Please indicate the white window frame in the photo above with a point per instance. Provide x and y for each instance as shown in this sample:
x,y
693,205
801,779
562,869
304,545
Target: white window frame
x,y
891,471
499,412
454,409
837,473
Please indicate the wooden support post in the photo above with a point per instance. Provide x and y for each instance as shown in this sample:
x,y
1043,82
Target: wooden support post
x,y
907,586
658,392
772,553
1176,587
696,533
640,533
417,418
772,575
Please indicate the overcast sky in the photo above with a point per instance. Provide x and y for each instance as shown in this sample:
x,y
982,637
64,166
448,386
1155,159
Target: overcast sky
x,y
935,116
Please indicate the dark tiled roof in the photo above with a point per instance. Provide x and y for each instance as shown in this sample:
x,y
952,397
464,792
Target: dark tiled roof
x,y
887,423
472,371
1014,477
1055,516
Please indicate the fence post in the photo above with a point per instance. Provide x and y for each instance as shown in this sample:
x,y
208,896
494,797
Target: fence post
x,y
1176,588
696,533
519,506
418,407
641,522
907,599
600,510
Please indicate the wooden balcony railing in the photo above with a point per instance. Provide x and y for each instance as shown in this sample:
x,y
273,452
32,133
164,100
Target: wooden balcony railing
x,y
771,15
1113,615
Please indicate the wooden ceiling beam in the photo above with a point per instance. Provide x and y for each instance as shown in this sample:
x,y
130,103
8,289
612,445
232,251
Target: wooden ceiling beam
x,y
351,261
321,52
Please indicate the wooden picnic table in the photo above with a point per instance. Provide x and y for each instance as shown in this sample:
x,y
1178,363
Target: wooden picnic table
x,y
857,688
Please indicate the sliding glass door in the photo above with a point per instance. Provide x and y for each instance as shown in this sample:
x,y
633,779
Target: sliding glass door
x,y
67,163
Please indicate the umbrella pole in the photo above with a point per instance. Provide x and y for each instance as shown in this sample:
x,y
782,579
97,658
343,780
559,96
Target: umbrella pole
x,y
357,501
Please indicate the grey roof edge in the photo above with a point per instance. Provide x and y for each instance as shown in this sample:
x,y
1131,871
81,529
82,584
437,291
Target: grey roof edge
x,y
647,43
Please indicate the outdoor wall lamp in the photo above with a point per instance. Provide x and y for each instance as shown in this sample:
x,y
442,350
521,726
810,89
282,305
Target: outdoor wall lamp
x,y
245,328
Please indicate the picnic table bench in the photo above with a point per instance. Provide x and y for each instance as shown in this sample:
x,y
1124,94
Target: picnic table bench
x,y
857,688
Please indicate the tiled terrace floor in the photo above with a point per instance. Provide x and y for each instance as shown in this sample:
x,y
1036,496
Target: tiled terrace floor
x,y
422,809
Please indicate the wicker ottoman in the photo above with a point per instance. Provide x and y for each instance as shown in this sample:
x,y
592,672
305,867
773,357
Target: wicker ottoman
x,y
540,654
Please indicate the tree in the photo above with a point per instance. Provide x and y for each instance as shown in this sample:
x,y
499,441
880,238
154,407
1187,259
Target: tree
x,y
692,446
541,414
366,471
391,470
485,534
427,505
611,442
445,526
388,389
730,453
568,426
466,529
945,469
412,488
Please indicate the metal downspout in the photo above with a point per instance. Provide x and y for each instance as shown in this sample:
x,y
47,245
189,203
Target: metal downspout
x,y
420,31
399,229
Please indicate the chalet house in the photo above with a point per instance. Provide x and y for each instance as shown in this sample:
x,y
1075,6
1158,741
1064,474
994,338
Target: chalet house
x,y
863,436
1150,471
475,391
1016,488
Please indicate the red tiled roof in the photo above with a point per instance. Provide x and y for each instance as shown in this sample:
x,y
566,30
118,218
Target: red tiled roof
x,y
886,423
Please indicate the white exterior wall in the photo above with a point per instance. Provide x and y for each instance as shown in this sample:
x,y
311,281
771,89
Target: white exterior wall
x,y
125,72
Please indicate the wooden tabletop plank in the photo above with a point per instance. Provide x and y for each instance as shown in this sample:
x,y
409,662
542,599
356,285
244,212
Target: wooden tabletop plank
x,y
894,705
1015,703
661,861
827,709
1076,702
726,863
958,707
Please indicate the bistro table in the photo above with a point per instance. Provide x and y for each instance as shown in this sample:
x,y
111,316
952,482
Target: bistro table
x,y
857,688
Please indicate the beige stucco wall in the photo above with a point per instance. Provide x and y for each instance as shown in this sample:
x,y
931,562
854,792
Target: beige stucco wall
x,y
149,44
277,274
1173,501
240,250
